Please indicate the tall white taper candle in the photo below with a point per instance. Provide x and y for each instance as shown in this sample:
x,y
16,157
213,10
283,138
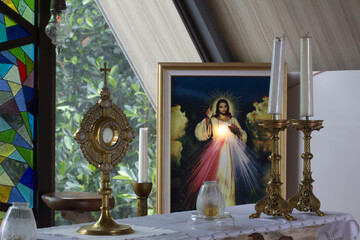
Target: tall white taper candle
x,y
306,81
143,160
277,77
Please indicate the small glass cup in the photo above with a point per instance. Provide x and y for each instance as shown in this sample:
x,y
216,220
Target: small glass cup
x,y
19,223
210,201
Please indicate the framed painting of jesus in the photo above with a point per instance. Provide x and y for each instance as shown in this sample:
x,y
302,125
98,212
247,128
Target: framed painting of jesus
x,y
207,117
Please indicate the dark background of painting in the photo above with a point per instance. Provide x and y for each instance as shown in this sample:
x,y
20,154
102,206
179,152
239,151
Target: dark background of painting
x,y
192,93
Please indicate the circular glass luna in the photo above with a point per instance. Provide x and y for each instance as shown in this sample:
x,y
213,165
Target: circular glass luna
x,y
109,136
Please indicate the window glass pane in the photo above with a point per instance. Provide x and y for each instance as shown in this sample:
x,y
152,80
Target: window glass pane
x,y
25,8
16,124
78,84
10,30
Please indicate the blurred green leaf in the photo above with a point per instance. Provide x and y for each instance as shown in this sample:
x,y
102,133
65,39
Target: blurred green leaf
x,y
68,142
136,87
74,60
89,22
112,81
62,168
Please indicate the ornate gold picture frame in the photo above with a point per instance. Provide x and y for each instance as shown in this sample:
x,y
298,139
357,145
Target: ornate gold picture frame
x,y
189,151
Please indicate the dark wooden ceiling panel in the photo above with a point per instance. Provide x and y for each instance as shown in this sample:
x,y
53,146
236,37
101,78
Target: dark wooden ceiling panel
x,y
248,28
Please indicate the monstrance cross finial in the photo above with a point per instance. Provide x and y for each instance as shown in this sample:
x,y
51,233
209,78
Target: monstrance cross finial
x,y
104,69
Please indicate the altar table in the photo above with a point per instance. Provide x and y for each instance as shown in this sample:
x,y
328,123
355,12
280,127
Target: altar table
x,y
333,225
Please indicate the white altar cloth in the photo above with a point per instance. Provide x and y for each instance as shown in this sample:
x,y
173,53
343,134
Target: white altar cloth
x,y
174,226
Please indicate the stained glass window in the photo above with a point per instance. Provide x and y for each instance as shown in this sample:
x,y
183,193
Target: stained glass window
x,y
10,30
16,124
24,8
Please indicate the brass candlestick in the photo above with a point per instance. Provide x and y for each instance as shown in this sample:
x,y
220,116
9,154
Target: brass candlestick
x,y
273,203
104,137
305,199
142,191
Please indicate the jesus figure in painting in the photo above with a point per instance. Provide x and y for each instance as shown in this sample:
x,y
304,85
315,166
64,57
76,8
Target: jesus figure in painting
x,y
225,158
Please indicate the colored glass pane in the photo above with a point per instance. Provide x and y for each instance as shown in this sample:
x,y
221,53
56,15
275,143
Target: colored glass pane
x,y
27,154
4,193
19,54
17,156
9,22
6,149
27,121
3,125
31,123
6,180
3,36
25,8
6,55
15,196
14,169
13,75
7,136
25,135
4,69
5,97
29,50
15,88
20,100
16,2
27,178
10,30
16,122
26,193
29,65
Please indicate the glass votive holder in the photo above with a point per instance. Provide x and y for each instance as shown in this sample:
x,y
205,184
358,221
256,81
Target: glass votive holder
x,y
210,201
210,206
18,223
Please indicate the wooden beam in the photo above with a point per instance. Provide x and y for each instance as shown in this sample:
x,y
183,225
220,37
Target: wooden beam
x,y
44,86
17,42
203,30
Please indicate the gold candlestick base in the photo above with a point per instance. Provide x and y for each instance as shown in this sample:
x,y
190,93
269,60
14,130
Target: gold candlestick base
x,y
105,225
142,191
273,203
305,199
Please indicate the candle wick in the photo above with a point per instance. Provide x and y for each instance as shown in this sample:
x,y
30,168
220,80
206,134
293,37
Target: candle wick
x,y
308,34
281,38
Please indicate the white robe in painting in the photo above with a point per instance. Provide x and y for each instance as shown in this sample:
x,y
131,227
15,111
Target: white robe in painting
x,y
223,159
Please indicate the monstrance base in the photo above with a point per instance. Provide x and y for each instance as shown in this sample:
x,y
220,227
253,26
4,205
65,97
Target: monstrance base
x,y
97,229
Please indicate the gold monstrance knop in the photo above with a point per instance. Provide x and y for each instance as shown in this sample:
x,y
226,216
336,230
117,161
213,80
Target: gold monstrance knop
x,y
104,137
305,199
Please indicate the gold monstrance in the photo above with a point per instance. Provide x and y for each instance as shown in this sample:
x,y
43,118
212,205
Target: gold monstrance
x,y
104,137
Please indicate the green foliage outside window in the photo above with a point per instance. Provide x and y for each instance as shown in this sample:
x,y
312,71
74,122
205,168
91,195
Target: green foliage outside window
x,y
78,85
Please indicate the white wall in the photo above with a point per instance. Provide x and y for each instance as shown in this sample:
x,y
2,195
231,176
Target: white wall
x,y
336,162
